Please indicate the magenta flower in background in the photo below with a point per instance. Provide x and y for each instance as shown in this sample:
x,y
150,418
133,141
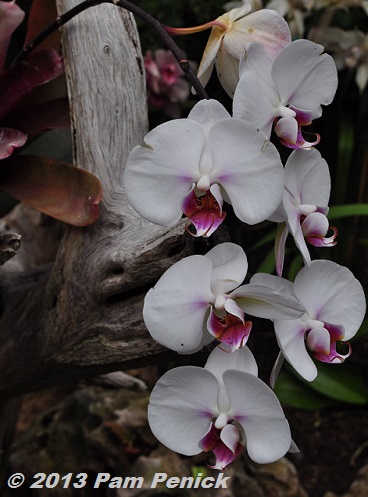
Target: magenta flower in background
x,y
166,88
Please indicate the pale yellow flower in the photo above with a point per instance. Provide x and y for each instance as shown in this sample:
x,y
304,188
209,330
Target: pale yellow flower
x,y
230,32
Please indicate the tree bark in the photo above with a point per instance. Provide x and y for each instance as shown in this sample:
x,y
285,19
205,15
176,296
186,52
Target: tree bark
x,y
82,316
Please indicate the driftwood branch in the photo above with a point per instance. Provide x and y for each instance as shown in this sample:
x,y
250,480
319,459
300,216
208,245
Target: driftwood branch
x,y
82,315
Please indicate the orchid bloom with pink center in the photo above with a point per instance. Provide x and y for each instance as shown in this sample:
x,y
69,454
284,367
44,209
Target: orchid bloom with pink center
x,y
304,206
191,305
221,408
192,165
229,34
334,304
288,91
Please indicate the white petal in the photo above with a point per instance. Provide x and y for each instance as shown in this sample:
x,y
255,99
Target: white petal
x,y
230,267
230,436
287,128
207,112
290,337
257,409
182,405
307,177
241,360
249,169
331,293
158,176
265,26
276,283
175,309
319,340
256,99
305,77
209,54
293,223
264,302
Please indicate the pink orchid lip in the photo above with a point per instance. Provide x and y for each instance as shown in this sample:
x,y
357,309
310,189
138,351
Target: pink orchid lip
x,y
331,355
204,212
229,329
212,442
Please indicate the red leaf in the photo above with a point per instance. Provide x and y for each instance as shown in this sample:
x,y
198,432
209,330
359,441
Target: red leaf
x,y
41,66
9,140
58,189
32,119
10,18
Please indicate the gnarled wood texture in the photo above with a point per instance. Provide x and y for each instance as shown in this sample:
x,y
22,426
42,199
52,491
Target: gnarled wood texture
x,y
83,315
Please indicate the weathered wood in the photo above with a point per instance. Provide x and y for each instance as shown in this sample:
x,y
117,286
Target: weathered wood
x,y
83,315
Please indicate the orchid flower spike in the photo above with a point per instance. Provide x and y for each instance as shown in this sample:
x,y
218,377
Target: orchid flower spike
x,y
304,206
191,305
334,305
288,90
221,408
192,165
229,34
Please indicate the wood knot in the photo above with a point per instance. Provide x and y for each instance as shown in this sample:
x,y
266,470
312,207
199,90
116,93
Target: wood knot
x,y
107,49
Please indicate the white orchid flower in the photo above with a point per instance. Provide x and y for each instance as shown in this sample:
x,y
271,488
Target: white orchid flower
x,y
334,305
288,90
229,34
304,206
220,408
192,165
191,304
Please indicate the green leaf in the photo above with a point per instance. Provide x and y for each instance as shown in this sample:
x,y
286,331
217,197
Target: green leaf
x,y
268,264
58,189
340,211
294,393
341,382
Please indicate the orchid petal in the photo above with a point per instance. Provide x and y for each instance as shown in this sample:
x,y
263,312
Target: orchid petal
x,y
220,361
307,177
229,329
260,301
257,409
287,129
159,175
175,309
204,212
230,436
280,241
208,59
241,360
290,337
249,169
182,404
319,340
230,266
207,112
315,225
256,99
276,370
305,77
275,283
331,293
266,27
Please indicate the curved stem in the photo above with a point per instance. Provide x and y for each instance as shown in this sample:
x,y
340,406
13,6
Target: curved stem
x,y
150,20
